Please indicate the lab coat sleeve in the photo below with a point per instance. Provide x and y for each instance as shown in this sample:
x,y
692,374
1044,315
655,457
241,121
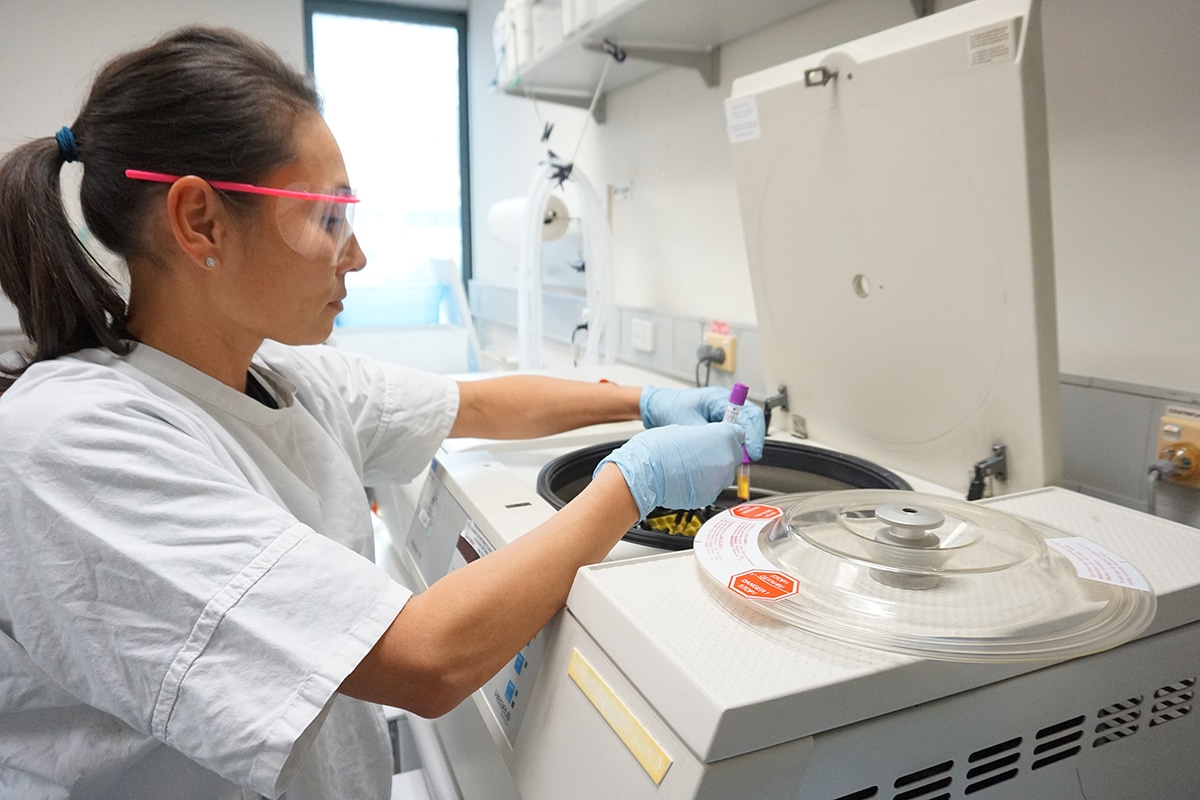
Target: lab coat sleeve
x,y
149,580
398,416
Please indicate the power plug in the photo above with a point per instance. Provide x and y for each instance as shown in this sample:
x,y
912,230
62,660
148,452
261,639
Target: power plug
x,y
727,342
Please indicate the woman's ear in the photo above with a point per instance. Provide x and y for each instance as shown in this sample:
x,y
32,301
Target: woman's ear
x,y
197,218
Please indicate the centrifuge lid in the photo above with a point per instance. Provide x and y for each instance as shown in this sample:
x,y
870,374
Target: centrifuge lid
x,y
925,575
897,229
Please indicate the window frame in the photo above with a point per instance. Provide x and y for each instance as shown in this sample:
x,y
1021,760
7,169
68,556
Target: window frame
x,y
418,16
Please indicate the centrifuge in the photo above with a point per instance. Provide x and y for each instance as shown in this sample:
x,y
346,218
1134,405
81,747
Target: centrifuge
x,y
861,641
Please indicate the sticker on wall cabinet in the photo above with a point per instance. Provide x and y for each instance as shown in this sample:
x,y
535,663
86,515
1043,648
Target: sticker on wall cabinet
x,y
995,44
741,119
632,733
1097,563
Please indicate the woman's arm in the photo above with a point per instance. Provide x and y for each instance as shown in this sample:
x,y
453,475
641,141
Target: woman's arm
x,y
447,641
451,638
528,406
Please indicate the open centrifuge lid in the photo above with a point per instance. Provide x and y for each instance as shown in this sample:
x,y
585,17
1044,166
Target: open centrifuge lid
x,y
925,575
894,196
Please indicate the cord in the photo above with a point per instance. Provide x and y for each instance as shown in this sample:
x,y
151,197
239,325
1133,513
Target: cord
x,y
583,326
708,355
1162,468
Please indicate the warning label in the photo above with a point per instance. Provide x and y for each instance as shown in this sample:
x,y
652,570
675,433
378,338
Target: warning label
x,y
753,511
764,585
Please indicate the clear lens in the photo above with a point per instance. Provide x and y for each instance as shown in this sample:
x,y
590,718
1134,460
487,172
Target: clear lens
x,y
316,229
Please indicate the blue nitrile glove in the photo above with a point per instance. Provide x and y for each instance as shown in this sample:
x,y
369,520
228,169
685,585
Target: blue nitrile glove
x,y
678,466
696,406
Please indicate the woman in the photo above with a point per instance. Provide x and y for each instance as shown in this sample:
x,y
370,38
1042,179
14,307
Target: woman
x,y
187,602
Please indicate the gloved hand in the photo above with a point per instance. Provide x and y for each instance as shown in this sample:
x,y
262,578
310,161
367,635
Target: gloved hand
x,y
678,466
697,406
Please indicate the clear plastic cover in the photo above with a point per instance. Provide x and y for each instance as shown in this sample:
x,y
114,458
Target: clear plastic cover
x,y
923,575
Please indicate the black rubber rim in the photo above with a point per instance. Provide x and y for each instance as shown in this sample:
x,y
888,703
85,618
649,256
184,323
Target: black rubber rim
x,y
855,472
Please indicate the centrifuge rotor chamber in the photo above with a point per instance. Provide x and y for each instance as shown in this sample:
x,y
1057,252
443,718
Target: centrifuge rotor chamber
x,y
786,468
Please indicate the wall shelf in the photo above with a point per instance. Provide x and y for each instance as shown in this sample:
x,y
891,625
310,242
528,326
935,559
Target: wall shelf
x,y
653,34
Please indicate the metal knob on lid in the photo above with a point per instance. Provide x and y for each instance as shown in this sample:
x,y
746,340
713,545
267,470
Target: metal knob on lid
x,y
909,526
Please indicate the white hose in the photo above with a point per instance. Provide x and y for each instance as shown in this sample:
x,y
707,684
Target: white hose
x,y
597,248
597,256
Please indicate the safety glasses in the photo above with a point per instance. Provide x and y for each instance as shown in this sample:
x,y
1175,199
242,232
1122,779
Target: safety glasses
x,y
315,222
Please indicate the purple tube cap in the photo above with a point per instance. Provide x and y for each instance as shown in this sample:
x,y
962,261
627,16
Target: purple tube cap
x,y
737,394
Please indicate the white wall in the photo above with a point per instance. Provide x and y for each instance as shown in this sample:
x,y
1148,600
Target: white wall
x,y
1124,116
1124,111
50,50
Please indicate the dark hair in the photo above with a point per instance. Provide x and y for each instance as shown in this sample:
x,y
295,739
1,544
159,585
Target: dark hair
x,y
200,101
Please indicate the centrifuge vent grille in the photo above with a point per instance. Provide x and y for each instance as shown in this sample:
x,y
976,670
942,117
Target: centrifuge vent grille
x,y
1001,762
1118,720
861,794
1057,742
925,784
992,765
1172,702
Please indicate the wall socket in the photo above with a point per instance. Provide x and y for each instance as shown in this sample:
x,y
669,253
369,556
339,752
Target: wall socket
x,y
726,342
1179,443
641,335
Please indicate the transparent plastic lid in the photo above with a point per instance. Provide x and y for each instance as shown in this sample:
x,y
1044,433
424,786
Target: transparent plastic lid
x,y
927,576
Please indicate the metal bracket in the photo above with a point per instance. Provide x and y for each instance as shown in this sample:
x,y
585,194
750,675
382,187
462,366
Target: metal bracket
x,y
995,465
778,400
565,98
818,76
705,60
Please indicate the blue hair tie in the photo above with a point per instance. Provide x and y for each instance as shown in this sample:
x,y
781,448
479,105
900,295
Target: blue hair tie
x,y
66,144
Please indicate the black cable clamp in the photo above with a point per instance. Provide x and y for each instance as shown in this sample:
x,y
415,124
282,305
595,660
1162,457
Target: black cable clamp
x,y
613,50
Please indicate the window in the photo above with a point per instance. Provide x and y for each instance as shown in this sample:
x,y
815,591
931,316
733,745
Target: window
x,y
393,81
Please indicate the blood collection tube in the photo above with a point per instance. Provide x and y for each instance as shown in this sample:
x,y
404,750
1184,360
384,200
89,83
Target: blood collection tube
x,y
737,399
743,477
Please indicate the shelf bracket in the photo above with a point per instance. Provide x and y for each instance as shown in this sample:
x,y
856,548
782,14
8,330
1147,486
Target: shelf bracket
x,y
564,98
705,60
922,8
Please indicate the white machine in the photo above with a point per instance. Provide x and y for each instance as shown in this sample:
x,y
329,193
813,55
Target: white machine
x,y
895,205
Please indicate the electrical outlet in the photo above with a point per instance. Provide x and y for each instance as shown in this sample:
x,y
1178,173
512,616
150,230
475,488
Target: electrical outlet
x,y
641,335
728,343
1179,443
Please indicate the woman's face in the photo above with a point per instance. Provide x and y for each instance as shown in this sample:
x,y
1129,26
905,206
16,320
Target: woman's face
x,y
289,276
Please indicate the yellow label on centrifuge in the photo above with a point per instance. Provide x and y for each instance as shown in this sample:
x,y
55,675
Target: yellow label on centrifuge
x,y
631,732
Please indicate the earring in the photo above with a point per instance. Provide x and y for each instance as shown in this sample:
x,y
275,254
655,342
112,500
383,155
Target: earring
x,y
210,262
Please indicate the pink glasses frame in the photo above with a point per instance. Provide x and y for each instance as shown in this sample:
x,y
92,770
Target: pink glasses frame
x,y
229,186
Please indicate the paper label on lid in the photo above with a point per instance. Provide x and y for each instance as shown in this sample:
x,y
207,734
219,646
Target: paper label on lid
x,y
1097,563
727,549
741,119
993,45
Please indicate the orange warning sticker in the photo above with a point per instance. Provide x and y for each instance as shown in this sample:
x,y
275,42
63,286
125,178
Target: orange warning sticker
x,y
755,511
761,584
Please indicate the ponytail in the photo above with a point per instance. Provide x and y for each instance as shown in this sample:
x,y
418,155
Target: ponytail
x,y
64,299
200,101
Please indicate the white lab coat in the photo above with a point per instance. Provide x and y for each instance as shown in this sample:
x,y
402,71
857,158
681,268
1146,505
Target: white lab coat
x,y
186,575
